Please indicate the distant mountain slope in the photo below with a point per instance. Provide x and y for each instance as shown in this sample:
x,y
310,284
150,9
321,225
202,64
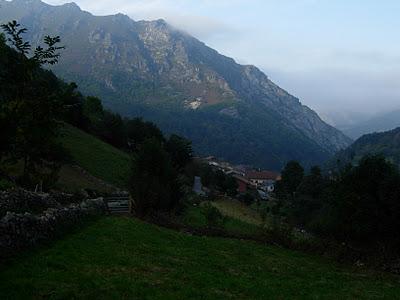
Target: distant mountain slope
x,y
153,70
386,143
382,122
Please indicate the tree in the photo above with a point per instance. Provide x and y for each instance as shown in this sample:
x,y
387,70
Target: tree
x,y
153,179
7,123
312,184
247,198
220,180
113,130
180,150
231,186
29,106
308,198
207,175
93,109
292,176
74,102
138,131
367,205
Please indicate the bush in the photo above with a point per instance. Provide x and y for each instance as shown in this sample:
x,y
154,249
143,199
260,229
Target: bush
x,y
213,216
247,199
5,185
278,232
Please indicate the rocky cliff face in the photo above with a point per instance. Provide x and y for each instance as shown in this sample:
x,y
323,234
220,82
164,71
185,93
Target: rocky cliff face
x,y
141,67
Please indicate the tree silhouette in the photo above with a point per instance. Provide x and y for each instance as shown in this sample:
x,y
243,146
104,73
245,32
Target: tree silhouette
x,y
29,106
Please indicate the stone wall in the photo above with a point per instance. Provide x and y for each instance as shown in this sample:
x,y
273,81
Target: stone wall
x,y
21,201
19,231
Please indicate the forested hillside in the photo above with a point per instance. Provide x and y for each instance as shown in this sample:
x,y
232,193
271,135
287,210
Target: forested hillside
x,y
385,143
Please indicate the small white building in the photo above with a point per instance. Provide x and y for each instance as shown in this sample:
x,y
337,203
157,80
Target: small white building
x,y
264,180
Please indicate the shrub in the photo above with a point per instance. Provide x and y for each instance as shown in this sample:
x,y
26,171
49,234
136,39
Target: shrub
x,y
279,232
247,199
5,185
213,216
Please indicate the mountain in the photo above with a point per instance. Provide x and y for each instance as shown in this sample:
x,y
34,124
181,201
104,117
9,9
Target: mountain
x,y
382,122
386,143
151,69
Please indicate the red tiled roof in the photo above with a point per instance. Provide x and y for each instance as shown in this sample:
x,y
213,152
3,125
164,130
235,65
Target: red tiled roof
x,y
242,179
264,175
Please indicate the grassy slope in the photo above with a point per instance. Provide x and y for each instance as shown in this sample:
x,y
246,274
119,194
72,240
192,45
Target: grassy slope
x,y
98,158
237,210
72,180
194,217
124,258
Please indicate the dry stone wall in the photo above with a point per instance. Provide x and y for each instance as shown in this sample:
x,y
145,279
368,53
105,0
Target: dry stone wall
x,y
19,231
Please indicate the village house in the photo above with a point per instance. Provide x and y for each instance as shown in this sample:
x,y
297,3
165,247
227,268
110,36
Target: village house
x,y
264,180
243,184
247,179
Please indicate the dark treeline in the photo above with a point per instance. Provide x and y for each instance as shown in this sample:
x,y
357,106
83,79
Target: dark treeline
x,y
218,180
357,204
34,105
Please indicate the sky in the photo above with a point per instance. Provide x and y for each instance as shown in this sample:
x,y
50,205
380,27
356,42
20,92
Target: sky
x,y
340,57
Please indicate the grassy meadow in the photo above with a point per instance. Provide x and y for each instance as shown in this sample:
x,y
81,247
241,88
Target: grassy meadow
x,y
122,258
95,156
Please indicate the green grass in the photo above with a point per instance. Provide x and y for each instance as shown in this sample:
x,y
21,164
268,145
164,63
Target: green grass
x,y
121,258
194,217
98,158
237,210
72,180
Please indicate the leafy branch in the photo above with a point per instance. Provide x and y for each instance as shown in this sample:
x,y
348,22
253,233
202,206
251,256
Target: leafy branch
x,y
14,32
42,56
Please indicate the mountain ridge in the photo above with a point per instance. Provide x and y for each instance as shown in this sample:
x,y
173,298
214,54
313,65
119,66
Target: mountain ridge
x,y
385,143
149,68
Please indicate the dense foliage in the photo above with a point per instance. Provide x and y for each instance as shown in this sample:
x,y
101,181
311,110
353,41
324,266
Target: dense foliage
x,y
29,105
386,143
154,185
359,204
233,139
217,180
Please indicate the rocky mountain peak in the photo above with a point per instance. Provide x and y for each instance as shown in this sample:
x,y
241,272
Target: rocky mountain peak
x,y
71,5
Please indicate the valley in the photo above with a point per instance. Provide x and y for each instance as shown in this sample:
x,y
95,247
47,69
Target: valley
x,y
137,162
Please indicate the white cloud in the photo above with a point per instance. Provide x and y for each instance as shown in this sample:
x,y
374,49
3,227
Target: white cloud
x,y
174,12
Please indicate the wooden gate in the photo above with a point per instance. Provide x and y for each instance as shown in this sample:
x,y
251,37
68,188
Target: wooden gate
x,y
119,203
